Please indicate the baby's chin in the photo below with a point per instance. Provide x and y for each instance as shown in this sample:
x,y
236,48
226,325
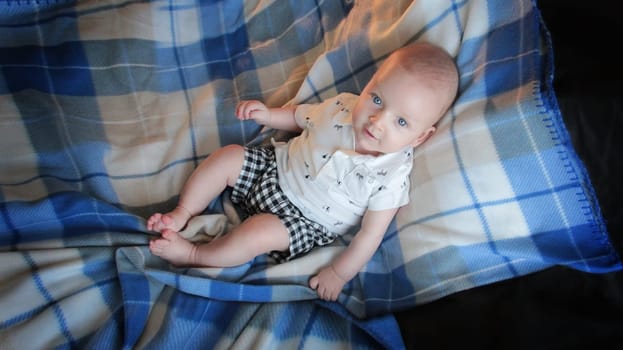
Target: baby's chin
x,y
362,148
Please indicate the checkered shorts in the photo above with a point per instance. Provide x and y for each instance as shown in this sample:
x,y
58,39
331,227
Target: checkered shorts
x,y
257,191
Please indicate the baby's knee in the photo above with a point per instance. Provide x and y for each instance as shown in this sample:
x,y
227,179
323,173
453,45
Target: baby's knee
x,y
233,150
234,154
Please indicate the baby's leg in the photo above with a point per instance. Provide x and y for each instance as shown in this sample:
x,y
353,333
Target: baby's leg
x,y
257,235
212,176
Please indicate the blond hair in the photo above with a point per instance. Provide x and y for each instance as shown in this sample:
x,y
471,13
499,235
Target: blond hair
x,y
434,65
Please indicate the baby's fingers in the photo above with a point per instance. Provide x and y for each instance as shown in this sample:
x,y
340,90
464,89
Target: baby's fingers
x,y
313,282
241,110
246,108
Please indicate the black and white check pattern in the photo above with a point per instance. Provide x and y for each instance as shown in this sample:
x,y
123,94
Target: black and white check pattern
x,y
257,191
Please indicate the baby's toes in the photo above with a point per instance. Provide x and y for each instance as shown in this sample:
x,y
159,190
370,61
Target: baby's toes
x,y
169,235
158,246
154,248
153,221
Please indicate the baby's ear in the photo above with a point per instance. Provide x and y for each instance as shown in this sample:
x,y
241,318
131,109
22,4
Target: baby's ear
x,y
424,136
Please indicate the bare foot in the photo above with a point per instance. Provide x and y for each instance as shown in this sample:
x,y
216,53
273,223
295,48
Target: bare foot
x,y
173,248
174,220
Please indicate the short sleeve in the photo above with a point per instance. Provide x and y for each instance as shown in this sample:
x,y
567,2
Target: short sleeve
x,y
394,193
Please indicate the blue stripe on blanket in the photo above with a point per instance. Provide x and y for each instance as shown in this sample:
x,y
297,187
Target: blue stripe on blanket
x,y
45,69
63,215
59,314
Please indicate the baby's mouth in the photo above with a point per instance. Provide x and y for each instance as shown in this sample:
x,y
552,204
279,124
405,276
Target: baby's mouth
x,y
369,133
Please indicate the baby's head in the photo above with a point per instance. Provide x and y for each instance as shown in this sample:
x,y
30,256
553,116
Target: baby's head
x,y
404,100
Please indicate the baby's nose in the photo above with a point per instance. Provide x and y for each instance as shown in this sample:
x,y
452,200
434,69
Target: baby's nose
x,y
378,120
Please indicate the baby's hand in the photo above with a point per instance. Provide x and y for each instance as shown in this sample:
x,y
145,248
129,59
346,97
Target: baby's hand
x,y
255,110
327,284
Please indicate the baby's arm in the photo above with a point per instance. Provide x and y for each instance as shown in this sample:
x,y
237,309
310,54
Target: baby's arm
x,y
329,282
276,118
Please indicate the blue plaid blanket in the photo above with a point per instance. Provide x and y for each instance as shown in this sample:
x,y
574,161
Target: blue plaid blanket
x,y
106,108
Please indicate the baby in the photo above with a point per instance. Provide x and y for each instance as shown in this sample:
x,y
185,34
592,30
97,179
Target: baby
x,y
348,168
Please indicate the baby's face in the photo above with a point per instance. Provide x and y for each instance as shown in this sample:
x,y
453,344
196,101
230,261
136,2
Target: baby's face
x,y
394,110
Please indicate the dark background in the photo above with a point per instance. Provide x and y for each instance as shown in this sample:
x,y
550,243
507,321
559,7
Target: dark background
x,y
558,308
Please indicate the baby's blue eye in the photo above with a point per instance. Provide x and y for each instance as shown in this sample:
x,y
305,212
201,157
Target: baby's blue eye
x,y
376,100
402,122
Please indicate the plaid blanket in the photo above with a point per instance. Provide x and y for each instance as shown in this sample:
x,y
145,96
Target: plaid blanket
x,y
107,107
